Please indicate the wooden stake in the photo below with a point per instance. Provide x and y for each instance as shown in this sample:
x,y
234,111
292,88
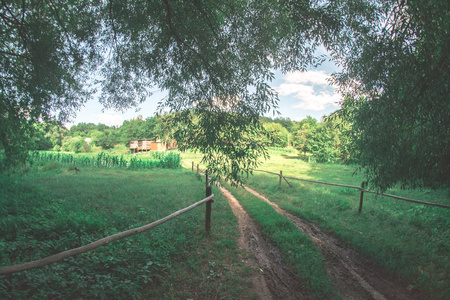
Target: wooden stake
x,y
281,176
198,170
361,198
192,166
208,205
287,181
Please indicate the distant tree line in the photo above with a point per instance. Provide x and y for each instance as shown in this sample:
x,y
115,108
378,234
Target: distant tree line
x,y
83,136
321,141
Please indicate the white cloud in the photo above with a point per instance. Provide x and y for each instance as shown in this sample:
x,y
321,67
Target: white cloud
x,y
314,77
311,88
68,125
110,118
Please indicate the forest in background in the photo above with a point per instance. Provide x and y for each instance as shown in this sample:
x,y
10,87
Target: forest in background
x,y
320,141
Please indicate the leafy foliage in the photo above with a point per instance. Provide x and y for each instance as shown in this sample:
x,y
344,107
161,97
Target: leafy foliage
x,y
238,141
275,135
159,127
46,52
401,69
321,144
217,58
212,58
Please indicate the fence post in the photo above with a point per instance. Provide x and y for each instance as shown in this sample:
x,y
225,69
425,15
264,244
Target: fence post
x,y
361,198
208,205
247,173
192,166
281,176
198,170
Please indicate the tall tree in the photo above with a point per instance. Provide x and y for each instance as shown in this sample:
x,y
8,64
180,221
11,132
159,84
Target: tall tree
x,y
46,51
275,134
212,57
135,129
401,68
217,57
320,143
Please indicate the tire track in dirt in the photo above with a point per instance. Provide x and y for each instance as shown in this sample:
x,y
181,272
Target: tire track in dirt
x,y
276,280
353,276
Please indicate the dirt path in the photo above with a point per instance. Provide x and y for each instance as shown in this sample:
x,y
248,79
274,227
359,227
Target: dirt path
x,y
353,276
275,281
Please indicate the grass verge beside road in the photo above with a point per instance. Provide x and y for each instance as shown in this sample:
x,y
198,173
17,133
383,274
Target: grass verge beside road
x,y
48,211
409,239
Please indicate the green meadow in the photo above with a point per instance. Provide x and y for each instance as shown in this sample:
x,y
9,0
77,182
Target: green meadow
x,y
48,210
48,207
407,239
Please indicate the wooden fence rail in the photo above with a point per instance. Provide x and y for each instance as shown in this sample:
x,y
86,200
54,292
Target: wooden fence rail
x,y
60,256
360,189
313,181
409,200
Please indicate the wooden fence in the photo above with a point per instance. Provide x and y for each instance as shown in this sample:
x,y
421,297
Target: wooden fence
x,y
208,192
4,270
361,189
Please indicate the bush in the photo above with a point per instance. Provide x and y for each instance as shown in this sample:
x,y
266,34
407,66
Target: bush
x,y
321,145
78,144
75,144
170,161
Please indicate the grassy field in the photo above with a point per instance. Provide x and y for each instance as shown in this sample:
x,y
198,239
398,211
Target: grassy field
x,y
408,239
48,210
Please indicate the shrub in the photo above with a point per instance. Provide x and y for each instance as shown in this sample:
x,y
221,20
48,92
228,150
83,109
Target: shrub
x,y
78,144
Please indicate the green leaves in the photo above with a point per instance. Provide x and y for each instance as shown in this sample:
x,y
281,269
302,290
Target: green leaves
x,y
321,144
43,67
230,142
401,67
218,58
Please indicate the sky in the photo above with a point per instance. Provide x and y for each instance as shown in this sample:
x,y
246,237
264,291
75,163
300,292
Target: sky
x,y
301,94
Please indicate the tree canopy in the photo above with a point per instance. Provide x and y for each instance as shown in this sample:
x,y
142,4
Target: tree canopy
x,y
211,57
398,79
216,60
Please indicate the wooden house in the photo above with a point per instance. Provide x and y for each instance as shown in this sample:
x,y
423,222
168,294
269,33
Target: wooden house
x,y
134,145
171,145
145,145
157,146
148,145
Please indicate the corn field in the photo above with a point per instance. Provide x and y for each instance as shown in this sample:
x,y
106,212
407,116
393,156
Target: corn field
x,y
168,160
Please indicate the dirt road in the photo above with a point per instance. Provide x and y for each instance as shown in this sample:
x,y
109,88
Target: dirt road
x,y
275,280
353,276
